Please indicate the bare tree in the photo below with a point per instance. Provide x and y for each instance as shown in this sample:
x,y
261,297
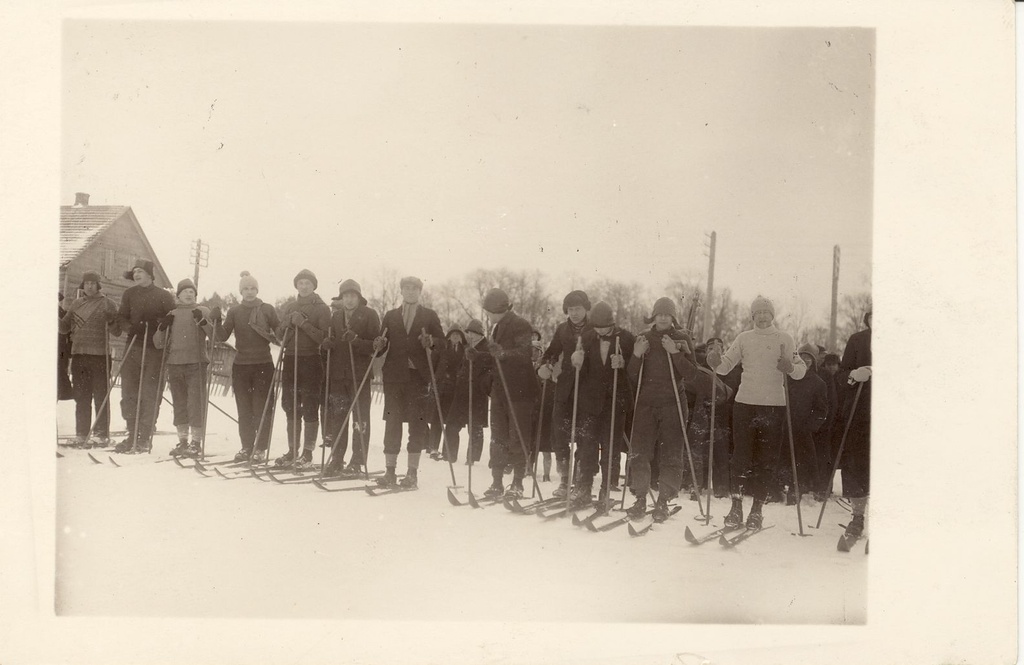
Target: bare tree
x,y
850,319
384,292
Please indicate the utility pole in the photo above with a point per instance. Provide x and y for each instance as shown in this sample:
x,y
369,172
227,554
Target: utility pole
x,y
199,255
835,300
705,326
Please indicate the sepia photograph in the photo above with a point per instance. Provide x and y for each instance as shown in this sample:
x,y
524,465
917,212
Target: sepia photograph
x,y
560,322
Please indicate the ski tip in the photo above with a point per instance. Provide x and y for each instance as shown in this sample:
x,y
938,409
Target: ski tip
x,y
220,473
590,526
94,460
112,461
370,491
59,455
576,521
178,462
319,484
451,498
724,542
472,500
690,538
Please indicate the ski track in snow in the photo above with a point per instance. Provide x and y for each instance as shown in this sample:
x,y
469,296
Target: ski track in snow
x,y
153,540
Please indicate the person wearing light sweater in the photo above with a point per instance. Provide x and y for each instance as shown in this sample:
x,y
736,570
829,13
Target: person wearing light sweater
x,y
768,355
182,336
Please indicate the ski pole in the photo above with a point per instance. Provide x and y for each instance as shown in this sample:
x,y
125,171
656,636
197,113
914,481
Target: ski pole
x,y
839,455
209,389
632,427
469,442
682,426
351,409
515,422
138,398
792,453
711,446
110,386
572,430
275,381
358,424
161,381
611,431
327,397
540,429
296,415
440,416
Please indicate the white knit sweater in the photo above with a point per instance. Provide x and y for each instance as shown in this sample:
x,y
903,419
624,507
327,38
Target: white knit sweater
x,y
761,383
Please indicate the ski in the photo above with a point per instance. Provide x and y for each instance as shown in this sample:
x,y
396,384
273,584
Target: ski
x,y
598,512
846,543
94,460
729,543
648,522
113,462
516,507
59,455
714,535
373,490
562,512
322,483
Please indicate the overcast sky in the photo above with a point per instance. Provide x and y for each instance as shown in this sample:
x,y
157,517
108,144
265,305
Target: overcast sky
x,y
434,150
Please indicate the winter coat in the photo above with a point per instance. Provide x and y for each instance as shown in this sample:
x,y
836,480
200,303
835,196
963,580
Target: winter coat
x,y
808,402
86,320
514,335
141,305
242,320
597,376
563,343
458,413
185,339
311,332
406,356
655,383
365,323
856,354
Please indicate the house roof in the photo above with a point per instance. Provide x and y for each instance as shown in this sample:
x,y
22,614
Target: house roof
x,y
81,225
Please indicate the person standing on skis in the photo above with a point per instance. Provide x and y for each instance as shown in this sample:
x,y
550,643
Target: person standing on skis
x,y
768,355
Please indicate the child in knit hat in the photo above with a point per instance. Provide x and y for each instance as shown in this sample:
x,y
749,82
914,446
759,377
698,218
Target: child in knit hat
x,y
768,356
303,327
252,322
182,335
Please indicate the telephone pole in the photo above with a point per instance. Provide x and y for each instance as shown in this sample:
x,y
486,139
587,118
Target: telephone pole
x,y
199,255
705,326
835,300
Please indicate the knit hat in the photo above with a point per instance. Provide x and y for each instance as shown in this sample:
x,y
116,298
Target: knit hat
x,y
760,303
496,302
809,349
247,280
476,326
185,284
601,315
305,273
350,285
575,299
456,330
91,276
830,358
663,305
140,264
411,281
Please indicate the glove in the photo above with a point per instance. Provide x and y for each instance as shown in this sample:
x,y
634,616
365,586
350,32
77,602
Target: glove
x,y
111,315
641,347
215,315
861,374
138,330
328,344
163,323
618,362
472,353
495,349
714,359
349,336
669,344
544,372
197,314
297,319
785,365
577,359
379,343
427,341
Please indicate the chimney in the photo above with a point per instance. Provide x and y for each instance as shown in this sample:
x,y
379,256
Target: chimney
x,y
81,199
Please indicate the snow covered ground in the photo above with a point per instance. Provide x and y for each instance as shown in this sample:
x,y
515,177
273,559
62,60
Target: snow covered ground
x,y
153,540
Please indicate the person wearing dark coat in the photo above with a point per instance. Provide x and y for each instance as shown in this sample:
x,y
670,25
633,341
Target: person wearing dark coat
x,y
602,372
142,307
699,428
303,327
450,357
409,332
353,328
459,409
854,372
657,425
511,360
542,412
557,361
823,437
808,407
